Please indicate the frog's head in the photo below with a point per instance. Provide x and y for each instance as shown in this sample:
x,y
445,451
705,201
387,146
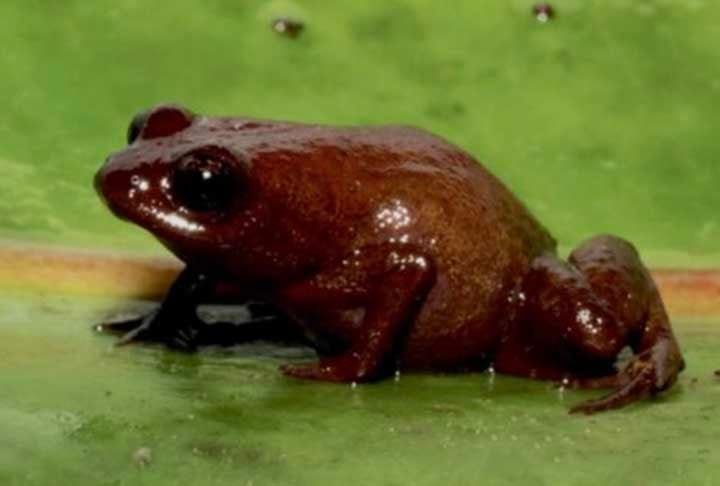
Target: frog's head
x,y
185,179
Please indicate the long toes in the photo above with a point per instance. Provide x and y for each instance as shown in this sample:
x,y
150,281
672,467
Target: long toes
x,y
638,388
137,335
118,327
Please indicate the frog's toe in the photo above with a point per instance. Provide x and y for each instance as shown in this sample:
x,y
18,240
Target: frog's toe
x,y
640,380
178,338
118,328
155,328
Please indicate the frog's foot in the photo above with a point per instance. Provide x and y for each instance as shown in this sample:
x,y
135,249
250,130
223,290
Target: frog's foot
x,y
390,299
187,332
119,328
177,332
649,373
175,322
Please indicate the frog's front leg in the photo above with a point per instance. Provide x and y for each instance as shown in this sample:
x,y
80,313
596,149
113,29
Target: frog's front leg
x,y
176,323
389,284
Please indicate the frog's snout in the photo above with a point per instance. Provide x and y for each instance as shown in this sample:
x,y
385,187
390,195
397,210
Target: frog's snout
x,y
109,187
99,181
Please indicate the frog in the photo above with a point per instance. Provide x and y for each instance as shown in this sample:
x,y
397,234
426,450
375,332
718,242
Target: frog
x,y
385,248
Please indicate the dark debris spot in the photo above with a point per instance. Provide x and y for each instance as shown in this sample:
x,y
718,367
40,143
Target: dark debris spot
x,y
543,12
288,27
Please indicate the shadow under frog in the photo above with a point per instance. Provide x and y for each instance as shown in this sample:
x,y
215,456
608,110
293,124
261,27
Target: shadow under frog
x,y
385,248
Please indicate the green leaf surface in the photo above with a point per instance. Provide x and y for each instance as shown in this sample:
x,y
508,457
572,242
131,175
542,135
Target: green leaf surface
x,y
74,410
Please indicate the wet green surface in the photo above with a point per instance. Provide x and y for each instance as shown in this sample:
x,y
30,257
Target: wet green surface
x,y
74,410
603,120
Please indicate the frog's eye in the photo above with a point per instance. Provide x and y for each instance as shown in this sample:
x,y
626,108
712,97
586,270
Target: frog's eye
x,y
204,182
161,121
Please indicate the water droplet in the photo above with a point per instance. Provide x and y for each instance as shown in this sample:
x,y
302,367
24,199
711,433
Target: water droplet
x,y
288,27
543,12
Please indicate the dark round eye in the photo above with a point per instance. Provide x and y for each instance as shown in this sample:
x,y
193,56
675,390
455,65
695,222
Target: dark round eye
x,y
136,126
203,182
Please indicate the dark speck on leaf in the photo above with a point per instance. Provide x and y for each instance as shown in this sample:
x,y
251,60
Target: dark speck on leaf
x,y
288,27
543,12
717,374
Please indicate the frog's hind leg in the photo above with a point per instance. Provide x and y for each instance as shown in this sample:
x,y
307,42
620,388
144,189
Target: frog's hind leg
x,y
616,274
587,310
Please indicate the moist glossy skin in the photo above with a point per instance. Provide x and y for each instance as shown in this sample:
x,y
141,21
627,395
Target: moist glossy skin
x,y
391,248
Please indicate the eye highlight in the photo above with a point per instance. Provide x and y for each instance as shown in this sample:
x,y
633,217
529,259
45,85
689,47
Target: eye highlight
x,y
203,182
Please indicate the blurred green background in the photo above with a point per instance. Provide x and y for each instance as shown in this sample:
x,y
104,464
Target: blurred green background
x,y
603,120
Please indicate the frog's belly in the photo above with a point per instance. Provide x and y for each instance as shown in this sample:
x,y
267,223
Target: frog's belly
x,y
461,322
463,344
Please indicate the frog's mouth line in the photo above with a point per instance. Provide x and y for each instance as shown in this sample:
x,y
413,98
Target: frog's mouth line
x,y
38,268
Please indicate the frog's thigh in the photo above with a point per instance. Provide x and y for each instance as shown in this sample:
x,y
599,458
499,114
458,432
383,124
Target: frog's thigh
x,y
390,284
563,313
616,273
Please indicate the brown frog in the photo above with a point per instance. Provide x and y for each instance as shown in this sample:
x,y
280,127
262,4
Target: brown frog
x,y
386,248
